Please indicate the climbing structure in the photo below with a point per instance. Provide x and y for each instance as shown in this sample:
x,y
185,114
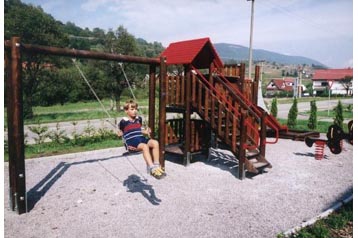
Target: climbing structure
x,y
221,100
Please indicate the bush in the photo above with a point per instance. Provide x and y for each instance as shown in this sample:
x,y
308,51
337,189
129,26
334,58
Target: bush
x,y
273,110
292,115
338,120
350,108
312,120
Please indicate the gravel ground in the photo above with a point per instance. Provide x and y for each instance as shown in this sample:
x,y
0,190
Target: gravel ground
x,y
102,194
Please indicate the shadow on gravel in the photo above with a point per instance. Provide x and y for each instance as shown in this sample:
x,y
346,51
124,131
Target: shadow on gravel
x,y
345,195
309,154
134,184
223,161
35,194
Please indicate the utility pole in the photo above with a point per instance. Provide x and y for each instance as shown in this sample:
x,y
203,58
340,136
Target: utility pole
x,y
300,83
251,35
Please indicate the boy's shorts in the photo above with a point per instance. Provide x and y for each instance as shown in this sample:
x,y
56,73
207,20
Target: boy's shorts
x,y
136,141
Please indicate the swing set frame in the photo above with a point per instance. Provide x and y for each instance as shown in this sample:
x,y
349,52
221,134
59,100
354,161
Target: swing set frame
x,y
13,64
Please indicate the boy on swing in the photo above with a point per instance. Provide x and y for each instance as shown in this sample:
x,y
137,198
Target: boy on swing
x,y
133,134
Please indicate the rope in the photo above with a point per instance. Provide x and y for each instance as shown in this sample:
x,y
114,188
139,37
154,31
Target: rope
x,y
129,85
131,90
94,93
144,179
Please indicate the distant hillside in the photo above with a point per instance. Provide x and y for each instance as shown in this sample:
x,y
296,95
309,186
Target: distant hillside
x,y
229,52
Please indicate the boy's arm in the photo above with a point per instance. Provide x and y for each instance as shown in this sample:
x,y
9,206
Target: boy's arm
x,y
147,131
121,128
120,133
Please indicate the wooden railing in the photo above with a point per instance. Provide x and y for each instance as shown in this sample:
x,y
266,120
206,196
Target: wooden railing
x,y
176,91
249,102
200,133
231,70
217,104
221,111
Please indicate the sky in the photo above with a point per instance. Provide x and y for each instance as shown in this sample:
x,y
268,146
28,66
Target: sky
x,y
318,29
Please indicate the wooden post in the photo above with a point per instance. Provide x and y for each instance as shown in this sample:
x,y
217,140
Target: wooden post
x,y
263,134
187,124
241,82
151,119
17,181
213,139
50,50
243,139
162,112
256,85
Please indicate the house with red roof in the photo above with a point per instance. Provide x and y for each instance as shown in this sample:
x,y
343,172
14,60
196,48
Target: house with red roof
x,y
337,80
281,86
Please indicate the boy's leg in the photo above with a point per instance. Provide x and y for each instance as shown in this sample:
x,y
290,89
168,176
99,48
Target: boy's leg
x,y
152,169
146,154
154,145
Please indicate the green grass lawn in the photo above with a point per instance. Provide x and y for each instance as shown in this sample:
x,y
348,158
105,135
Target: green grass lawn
x,y
338,224
324,113
76,112
322,126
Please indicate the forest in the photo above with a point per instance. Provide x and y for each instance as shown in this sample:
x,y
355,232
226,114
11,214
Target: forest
x,y
56,80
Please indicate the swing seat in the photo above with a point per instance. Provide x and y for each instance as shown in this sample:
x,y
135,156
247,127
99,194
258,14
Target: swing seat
x,y
131,151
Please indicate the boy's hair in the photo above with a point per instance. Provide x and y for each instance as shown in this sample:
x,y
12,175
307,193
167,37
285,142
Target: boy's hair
x,y
130,104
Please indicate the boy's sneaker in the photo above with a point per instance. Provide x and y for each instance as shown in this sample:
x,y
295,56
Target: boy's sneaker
x,y
155,172
161,169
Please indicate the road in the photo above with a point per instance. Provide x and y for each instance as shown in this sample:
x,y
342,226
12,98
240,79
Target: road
x,y
81,126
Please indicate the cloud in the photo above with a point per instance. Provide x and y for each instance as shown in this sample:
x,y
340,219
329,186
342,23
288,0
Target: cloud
x,y
297,27
93,5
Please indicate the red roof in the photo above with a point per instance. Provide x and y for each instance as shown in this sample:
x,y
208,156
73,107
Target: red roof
x,y
284,84
199,52
332,74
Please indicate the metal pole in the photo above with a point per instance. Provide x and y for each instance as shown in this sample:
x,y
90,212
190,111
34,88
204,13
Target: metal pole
x,y
300,84
251,36
329,99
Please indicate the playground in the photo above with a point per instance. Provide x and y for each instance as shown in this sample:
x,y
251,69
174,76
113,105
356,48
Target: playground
x,y
103,194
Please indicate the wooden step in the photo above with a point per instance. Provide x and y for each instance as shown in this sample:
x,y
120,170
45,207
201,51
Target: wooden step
x,y
174,149
255,166
250,154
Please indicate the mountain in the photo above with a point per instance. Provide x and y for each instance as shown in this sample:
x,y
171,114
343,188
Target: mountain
x,y
239,53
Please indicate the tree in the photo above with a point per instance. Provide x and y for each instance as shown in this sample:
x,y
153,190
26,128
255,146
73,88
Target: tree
x,y
33,26
338,120
273,110
121,42
312,120
346,82
292,115
310,88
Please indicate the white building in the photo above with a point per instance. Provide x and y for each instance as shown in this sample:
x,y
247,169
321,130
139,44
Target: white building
x,y
333,79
